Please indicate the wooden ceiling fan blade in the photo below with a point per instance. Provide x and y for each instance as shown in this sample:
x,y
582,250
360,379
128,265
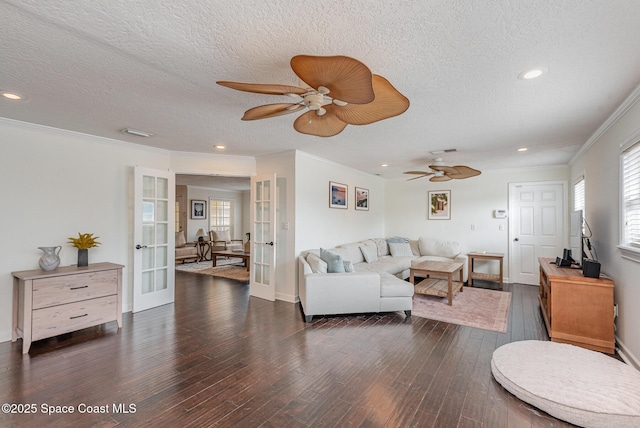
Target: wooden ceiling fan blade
x,y
387,103
271,110
264,88
421,174
326,125
464,172
439,178
346,78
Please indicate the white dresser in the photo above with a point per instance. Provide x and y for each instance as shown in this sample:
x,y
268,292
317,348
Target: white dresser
x,y
49,303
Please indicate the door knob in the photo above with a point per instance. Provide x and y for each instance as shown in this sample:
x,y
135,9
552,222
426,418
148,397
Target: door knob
x,y
516,239
269,243
140,246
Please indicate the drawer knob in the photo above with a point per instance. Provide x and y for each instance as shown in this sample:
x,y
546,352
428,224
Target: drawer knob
x,y
78,316
78,288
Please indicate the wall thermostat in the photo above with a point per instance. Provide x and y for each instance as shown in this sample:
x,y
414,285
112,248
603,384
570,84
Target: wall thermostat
x,y
500,213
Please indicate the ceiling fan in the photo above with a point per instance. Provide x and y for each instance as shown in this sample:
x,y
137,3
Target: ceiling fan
x,y
441,172
340,91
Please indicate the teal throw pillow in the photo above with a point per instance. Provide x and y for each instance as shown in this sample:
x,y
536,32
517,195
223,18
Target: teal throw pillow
x,y
334,262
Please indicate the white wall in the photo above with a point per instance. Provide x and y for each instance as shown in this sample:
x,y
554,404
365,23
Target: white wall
x,y
58,183
473,201
283,165
601,167
317,225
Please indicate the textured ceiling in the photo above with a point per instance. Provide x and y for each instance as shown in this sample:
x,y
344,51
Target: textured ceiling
x,y
99,66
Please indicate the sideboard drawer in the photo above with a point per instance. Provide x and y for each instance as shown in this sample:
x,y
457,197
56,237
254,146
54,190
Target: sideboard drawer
x,y
73,288
61,319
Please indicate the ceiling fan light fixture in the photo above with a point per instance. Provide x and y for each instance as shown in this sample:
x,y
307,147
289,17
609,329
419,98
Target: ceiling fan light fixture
x,y
339,103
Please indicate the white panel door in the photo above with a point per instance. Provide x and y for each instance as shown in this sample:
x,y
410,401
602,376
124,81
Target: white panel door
x,y
263,237
154,238
536,227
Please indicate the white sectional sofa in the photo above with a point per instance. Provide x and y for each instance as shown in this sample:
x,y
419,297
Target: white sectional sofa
x,y
378,280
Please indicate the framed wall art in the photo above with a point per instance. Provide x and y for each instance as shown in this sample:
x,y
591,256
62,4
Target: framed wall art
x,y
362,199
337,195
439,202
198,209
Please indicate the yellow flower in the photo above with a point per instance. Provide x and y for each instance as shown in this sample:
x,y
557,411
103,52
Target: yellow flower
x,y
84,241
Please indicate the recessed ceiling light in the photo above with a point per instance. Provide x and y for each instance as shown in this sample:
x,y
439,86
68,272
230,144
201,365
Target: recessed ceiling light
x,y
532,73
220,146
523,149
12,96
384,165
136,132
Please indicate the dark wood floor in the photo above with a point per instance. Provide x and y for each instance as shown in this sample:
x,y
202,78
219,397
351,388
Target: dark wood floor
x,y
219,358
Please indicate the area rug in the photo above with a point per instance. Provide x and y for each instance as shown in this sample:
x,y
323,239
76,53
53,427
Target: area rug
x,y
199,266
474,307
238,273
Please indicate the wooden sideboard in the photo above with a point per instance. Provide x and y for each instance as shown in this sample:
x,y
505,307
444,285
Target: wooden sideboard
x,y
576,309
49,303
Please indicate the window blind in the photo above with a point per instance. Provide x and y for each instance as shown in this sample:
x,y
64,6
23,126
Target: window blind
x,y
631,194
578,195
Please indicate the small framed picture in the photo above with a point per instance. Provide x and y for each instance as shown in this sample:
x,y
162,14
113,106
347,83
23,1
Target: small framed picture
x,y
439,202
198,209
362,199
337,195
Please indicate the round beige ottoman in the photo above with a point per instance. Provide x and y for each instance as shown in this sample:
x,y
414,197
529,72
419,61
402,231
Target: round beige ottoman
x,y
580,386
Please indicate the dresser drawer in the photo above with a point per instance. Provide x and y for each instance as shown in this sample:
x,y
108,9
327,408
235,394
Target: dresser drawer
x,y
55,320
59,290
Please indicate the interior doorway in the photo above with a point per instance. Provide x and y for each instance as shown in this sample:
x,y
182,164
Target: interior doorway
x,y
537,227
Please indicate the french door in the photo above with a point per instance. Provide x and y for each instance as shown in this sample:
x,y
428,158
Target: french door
x,y
263,237
154,238
537,227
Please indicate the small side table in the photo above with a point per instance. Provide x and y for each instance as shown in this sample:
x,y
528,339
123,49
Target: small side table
x,y
204,250
485,276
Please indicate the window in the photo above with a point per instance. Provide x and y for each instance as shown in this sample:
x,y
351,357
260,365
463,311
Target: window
x,y
221,217
631,196
578,195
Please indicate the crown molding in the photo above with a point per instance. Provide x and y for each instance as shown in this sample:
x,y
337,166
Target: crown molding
x,y
629,102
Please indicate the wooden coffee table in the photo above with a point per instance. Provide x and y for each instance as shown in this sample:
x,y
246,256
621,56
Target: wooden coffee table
x,y
244,256
437,286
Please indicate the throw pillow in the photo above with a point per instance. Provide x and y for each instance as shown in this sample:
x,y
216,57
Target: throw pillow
x,y
316,263
348,266
334,261
370,253
383,247
181,241
222,235
397,239
399,249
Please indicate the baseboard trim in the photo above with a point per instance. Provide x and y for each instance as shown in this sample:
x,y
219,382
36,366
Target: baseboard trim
x,y
627,355
5,336
286,298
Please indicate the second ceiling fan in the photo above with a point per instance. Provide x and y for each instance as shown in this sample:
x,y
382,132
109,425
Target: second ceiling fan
x,y
341,91
442,172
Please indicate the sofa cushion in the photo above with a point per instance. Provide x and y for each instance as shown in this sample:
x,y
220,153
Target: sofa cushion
x,y
436,247
415,247
316,264
390,264
398,249
334,261
383,247
391,286
222,235
354,254
370,253
181,241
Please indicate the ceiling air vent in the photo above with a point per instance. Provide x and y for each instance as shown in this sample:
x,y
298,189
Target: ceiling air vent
x,y
440,152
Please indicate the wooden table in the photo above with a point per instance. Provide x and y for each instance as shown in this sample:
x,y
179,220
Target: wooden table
x,y
437,286
497,277
244,256
204,250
